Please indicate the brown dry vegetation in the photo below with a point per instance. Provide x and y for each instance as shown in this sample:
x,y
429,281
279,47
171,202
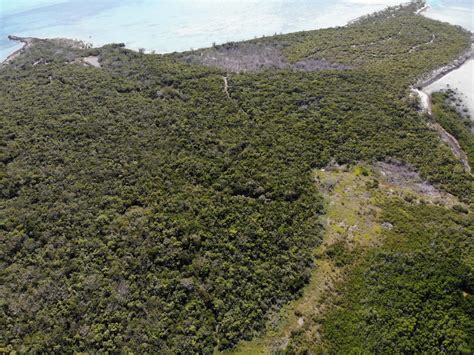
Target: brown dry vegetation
x,y
254,56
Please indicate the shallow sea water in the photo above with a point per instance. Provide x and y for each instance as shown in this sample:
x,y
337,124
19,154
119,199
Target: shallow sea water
x,y
172,25
460,80
458,12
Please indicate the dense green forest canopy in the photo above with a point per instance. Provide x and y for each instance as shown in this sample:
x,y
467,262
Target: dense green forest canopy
x,y
147,206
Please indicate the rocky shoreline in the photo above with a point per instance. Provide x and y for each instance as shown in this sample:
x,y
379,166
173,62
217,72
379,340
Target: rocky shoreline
x,y
435,75
429,78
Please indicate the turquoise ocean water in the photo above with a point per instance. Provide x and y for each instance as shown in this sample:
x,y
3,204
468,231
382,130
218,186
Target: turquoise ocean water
x,y
458,12
177,25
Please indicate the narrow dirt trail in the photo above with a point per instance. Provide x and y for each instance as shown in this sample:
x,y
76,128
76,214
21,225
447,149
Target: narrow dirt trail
x,y
414,48
226,86
445,136
226,91
426,105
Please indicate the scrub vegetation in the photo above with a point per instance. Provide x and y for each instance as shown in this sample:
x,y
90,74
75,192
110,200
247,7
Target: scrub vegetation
x,y
148,205
413,294
404,260
446,113
378,287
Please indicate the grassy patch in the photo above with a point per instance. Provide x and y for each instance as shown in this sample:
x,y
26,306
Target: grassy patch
x,y
351,226
364,225
414,293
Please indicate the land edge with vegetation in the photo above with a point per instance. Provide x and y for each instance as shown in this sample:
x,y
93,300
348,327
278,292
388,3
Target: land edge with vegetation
x,y
422,81
426,103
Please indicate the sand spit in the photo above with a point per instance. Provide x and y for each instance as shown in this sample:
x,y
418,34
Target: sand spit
x,y
59,47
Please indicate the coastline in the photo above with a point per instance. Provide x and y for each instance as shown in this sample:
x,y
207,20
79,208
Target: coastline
x,y
417,88
423,9
428,79
426,104
185,29
29,41
457,74
26,41
437,74
350,21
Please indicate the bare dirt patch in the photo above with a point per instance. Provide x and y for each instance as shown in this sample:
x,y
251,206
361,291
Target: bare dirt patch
x,y
400,180
401,176
92,61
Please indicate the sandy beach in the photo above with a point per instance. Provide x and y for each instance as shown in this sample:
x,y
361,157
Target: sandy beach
x,y
457,80
456,76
